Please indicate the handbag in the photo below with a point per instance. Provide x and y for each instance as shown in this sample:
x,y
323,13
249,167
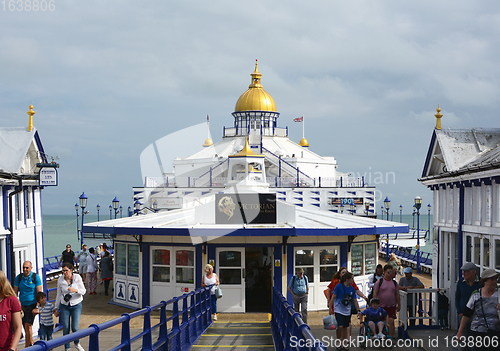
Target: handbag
x,y
329,322
218,292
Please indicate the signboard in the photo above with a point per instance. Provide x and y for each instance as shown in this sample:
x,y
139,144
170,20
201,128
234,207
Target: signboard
x,y
245,208
346,201
48,176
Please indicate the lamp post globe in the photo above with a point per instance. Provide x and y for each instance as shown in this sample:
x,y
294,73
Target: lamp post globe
x,y
110,211
83,200
155,206
121,213
418,204
98,209
116,204
137,207
129,211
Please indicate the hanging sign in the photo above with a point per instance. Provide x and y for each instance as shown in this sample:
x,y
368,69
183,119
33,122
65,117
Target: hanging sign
x,y
48,176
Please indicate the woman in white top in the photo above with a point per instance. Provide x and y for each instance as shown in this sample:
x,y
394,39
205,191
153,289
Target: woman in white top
x,y
70,291
210,278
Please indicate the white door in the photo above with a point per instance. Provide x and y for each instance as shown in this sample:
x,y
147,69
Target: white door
x,y
21,254
172,272
230,266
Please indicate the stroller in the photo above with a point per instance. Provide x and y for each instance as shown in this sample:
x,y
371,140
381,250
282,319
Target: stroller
x,y
367,334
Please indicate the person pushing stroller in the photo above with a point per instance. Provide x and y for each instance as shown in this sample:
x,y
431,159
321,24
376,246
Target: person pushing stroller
x,y
377,319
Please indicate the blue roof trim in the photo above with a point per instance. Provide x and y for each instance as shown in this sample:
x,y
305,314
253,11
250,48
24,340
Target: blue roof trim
x,y
429,154
370,192
315,192
298,192
317,205
281,192
298,198
171,192
138,192
39,145
315,198
351,192
282,198
188,192
334,192
300,205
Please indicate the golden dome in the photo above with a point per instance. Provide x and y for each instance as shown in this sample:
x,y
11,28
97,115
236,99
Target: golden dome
x,y
208,142
303,142
255,98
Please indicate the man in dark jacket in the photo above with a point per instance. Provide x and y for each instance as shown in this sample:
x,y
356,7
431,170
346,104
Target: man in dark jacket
x,y
465,287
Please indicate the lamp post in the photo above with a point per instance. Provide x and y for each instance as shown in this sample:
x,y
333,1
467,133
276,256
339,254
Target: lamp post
x,y
121,213
98,209
353,208
418,204
155,206
137,207
129,211
387,205
413,215
83,204
400,213
110,210
367,208
341,208
382,211
429,219
77,229
116,204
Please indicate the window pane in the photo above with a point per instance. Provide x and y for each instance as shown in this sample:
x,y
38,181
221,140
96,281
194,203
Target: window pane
x,y
230,259
486,252
309,271
304,257
477,250
162,257
357,259
230,276
326,273
161,274
133,260
329,256
121,259
184,275
184,258
497,254
370,252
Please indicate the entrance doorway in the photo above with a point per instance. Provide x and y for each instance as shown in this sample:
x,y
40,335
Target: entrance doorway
x,y
259,279
246,279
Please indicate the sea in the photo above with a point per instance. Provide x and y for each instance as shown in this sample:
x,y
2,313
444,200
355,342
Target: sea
x,y
59,230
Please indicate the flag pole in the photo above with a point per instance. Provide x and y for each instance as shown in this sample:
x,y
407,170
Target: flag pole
x,y
303,127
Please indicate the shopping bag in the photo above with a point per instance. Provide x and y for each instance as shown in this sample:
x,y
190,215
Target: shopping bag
x,y
329,322
218,292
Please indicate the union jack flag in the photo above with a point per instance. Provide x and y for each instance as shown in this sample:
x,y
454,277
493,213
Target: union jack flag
x,y
300,119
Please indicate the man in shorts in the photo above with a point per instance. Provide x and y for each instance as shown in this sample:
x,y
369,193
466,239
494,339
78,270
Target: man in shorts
x,y
82,263
410,282
387,291
27,284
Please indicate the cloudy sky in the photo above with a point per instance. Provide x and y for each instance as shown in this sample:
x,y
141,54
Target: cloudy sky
x,y
107,78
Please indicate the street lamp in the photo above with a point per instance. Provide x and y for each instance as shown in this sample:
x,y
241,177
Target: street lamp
x,y
387,205
155,206
98,209
83,204
341,208
110,210
137,207
116,203
418,204
353,208
121,209
429,219
129,211
77,207
367,208
382,211
400,213
413,215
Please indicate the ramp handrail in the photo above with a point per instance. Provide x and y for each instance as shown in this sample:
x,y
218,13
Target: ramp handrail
x,y
288,329
187,326
426,301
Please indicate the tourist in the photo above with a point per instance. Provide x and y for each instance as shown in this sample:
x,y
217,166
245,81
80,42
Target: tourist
x,y
342,296
482,309
443,308
395,262
103,249
465,287
372,279
376,316
410,282
299,288
70,291
387,291
92,271
45,310
10,310
67,256
210,278
27,284
106,266
82,263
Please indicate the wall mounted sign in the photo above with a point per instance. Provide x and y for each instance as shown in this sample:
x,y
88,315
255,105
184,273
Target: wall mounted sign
x,y
346,201
48,177
245,208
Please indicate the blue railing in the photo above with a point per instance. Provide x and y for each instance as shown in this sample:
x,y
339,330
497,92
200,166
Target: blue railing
x,y
288,329
187,326
408,254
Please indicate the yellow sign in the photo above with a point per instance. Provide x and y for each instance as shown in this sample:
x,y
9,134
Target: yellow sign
x,y
212,263
277,263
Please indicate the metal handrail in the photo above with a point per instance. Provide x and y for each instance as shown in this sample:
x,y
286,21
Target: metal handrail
x,y
187,326
295,168
287,325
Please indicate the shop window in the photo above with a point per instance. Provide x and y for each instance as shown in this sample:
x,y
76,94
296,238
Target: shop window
x,y
127,259
161,265
328,264
230,267
363,258
133,260
305,259
121,259
184,270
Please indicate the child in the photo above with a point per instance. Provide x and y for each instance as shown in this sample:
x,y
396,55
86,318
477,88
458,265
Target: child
x,y
342,296
443,307
376,314
45,310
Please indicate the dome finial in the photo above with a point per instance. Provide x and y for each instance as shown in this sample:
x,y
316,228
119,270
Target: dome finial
x,y
208,141
438,116
30,113
256,76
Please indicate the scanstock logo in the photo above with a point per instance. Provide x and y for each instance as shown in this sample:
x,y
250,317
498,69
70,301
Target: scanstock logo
x,y
225,207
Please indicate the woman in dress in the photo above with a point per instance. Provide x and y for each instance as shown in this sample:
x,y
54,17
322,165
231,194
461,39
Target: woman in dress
x,y
210,278
70,291
483,308
10,316
106,265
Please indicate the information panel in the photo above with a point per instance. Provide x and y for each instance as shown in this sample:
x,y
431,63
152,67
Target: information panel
x,y
245,208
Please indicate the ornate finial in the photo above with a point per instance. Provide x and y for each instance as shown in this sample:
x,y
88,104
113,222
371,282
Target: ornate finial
x,y
438,116
30,113
256,77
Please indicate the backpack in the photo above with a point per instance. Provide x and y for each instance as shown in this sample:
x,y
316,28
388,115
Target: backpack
x,y
305,277
370,296
18,278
